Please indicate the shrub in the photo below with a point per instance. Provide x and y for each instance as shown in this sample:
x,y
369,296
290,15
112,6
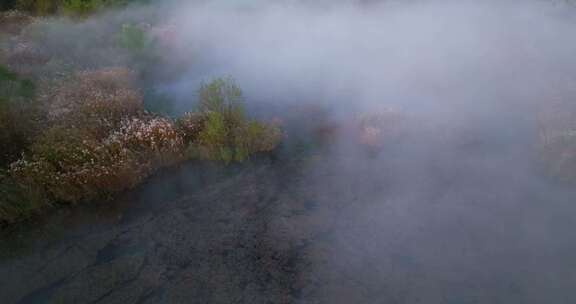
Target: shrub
x,y
215,138
97,101
258,137
253,137
133,38
72,166
11,86
57,164
18,201
19,115
75,7
99,141
81,7
38,7
155,140
84,7
190,125
221,95
227,133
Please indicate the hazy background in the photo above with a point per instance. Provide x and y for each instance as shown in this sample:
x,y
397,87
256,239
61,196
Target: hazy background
x,y
457,211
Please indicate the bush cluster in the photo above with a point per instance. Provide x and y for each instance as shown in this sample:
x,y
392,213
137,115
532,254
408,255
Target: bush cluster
x,y
73,121
227,134
19,116
75,7
17,200
71,166
95,101
97,140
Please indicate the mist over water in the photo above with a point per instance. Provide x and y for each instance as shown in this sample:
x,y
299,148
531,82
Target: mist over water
x,y
456,210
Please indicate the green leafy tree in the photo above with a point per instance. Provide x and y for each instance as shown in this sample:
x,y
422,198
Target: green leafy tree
x,y
228,134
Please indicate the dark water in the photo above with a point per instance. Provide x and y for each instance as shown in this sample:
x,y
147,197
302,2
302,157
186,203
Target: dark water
x,y
454,222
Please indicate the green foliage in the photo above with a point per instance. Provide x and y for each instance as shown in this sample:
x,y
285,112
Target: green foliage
x,y
38,7
18,201
254,137
96,101
133,38
71,165
190,125
98,141
11,86
141,48
81,7
215,138
228,135
75,7
19,115
54,162
222,95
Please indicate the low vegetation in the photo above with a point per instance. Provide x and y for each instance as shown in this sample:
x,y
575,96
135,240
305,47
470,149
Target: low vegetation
x,y
75,7
227,134
19,116
77,129
88,136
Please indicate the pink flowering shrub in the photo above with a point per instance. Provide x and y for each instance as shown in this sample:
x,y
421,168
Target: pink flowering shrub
x,y
96,101
154,141
71,166
380,128
190,125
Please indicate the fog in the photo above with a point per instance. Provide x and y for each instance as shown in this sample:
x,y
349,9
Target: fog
x,y
457,210
426,57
